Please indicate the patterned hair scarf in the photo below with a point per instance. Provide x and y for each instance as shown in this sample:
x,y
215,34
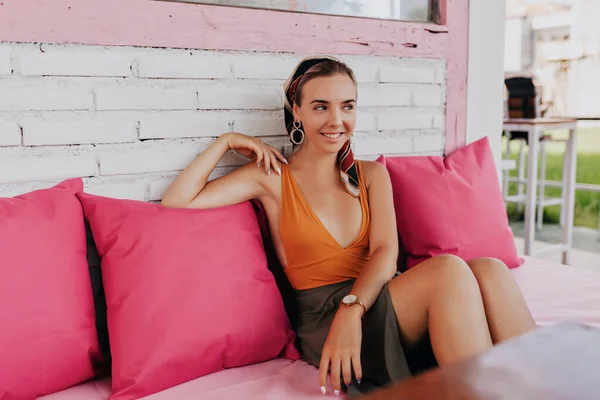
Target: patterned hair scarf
x,y
345,159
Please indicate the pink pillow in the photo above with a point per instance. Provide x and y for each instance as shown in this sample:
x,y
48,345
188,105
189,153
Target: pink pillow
x,y
48,339
188,292
451,205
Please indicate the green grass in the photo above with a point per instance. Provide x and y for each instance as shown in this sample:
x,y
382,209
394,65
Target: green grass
x,y
587,204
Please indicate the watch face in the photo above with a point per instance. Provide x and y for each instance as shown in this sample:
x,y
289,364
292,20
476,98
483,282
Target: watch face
x,y
349,299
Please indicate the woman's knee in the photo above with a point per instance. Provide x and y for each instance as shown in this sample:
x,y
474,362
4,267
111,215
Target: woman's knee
x,y
453,283
444,275
488,269
452,271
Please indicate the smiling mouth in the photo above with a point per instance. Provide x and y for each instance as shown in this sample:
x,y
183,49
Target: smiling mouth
x,y
331,135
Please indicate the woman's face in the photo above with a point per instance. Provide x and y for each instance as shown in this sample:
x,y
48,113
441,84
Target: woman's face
x,y
327,112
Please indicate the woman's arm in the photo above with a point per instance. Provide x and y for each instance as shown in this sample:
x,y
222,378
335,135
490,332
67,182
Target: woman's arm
x,y
343,345
381,267
191,189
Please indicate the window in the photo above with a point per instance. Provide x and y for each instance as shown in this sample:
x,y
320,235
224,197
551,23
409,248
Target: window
x,y
404,10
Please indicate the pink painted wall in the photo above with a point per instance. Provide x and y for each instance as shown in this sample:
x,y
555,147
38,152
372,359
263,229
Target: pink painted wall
x,y
180,25
455,13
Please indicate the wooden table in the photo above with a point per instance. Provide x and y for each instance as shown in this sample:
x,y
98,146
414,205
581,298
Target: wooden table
x,y
557,362
535,127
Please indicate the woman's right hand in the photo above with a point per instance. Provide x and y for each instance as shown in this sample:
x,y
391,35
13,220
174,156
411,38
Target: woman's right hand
x,y
255,149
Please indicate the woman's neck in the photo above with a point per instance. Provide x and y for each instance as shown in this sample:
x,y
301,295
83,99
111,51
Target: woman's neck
x,y
316,163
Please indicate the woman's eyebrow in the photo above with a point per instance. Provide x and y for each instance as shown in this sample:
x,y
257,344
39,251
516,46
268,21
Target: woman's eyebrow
x,y
327,102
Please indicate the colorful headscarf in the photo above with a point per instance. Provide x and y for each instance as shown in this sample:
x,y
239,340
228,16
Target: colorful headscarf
x,y
345,159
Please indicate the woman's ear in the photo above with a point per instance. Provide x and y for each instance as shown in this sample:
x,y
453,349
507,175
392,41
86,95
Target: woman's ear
x,y
296,111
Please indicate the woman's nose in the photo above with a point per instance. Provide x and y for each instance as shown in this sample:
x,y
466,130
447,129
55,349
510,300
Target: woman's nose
x,y
335,118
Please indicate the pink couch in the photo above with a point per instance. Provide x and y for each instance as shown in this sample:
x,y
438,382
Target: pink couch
x,y
554,293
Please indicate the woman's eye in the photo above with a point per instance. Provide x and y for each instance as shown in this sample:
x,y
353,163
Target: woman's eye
x,y
346,107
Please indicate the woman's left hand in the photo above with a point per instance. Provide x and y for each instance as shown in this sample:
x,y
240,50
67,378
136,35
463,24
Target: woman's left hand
x,y
342,348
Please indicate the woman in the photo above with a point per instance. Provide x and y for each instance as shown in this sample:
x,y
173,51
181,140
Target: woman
x,y
333,228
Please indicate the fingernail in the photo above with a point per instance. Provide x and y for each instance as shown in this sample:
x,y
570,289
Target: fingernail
x,y
336,392
358,380
269,171
278,170
258,165
284,160
323,390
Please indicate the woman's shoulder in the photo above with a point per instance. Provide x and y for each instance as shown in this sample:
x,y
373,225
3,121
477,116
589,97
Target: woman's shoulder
x,y
373,171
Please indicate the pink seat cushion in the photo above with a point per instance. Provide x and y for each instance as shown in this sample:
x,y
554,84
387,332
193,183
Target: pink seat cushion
x,y
451,205
277,379
553,292
99,389
188,292
48,339
556,292
272,380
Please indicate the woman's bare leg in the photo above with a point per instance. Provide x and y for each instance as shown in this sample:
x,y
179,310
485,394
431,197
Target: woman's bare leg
x,y
441,296
507,312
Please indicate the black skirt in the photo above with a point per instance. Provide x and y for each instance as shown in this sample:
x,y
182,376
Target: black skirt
x,y
383,358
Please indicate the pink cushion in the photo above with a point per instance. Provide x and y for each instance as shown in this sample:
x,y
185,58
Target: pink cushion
x,y
48,339
272,380
188,292
99,389
556,292
276,379
451,205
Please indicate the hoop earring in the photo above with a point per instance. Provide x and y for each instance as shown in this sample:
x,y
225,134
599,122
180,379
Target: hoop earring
x,y
297,130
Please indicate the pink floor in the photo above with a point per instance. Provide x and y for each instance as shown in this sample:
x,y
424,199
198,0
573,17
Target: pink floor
x,y
553,292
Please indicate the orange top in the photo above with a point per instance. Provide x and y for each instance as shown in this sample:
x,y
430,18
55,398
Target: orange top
x,y
313,256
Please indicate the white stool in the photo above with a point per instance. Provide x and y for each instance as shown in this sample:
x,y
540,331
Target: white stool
x,y
520,198
506,165
534,128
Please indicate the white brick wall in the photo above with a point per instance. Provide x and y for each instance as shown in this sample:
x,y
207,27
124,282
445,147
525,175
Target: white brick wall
x,y
133,97
128,119
49,60
159,185
364,69
239,96
377,95
39,95
262,66
15,189
428,97
409,118
366,120
150,156
10,132
426,142
5,62
439,121
403,73
46,167
78,130
186,124
387,142
131,187
260,124
169,64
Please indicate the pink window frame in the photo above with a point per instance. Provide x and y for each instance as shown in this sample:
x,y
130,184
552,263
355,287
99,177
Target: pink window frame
x,y
183,25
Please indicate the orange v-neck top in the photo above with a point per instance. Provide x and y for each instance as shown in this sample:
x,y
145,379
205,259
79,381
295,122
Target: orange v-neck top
x,y
314,258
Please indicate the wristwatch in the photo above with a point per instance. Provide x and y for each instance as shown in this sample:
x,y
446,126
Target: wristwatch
x,y
351,300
